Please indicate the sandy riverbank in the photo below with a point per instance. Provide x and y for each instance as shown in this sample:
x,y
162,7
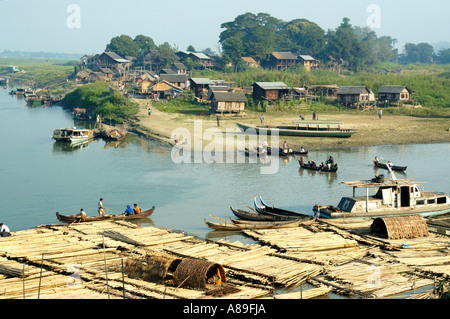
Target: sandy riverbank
x,y
391,129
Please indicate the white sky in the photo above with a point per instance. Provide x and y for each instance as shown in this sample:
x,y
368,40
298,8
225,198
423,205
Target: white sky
x,y
42,25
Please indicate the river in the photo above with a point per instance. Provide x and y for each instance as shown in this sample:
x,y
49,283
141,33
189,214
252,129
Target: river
x,y
40,176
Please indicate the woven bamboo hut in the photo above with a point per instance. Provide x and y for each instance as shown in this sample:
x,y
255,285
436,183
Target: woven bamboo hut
x,y
154,267
196,273
399,227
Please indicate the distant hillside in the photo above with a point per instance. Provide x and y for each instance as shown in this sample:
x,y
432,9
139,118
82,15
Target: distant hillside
x,y
39,55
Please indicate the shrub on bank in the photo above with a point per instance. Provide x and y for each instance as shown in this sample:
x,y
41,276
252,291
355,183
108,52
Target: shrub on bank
x,y
99,98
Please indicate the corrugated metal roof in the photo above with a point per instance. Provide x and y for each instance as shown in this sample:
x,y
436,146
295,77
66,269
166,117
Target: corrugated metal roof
x,y
202,81
174,78
272,85
284,55
229,96
351,89
201,56
307,57
392,89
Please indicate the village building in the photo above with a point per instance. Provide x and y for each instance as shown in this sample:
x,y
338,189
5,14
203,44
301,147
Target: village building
x,y
179,68
167,71
250,62
327,90
218,88
200,86
182,54
201,59
83,75
114,62
356,96
216,61
270,91
308,62
227,102
394,94
98,76
180,80
282,60
164,90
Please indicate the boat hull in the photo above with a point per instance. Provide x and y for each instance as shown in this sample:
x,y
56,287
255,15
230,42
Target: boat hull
x,y
324,213
78,219
394,168
294,131
319,169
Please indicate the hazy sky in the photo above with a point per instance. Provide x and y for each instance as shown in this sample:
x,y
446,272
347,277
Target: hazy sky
x,y
85,27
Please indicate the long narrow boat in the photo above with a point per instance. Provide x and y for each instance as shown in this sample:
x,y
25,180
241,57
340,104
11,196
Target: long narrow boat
x,y
251,216
225,226
265,209
332,169
393,167
307,129
78,219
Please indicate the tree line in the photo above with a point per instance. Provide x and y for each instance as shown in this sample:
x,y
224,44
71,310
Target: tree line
x,y
258,35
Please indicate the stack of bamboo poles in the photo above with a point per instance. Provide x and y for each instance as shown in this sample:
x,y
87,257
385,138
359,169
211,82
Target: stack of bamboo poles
x,y
305,294
301,239
375,278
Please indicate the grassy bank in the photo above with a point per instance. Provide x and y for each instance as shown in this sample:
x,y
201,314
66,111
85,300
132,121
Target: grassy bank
x,y
99,99
430,82
40,72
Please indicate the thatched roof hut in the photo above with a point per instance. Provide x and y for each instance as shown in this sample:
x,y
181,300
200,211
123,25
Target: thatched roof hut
x,y
196,273
153,267
398,227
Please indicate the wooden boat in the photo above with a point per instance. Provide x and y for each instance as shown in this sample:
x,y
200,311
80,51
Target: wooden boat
x,y
280,213
281,151
253,216
393,197
113,132
332,169
308,129
78,219
73,134
393,167
226,226
300,152
250,153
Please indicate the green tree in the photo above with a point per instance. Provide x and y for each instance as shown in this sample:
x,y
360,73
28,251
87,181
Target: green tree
x,y
418,53
343,43
444,56
250,35
301,36
123,45
190,48
144,44
164,56
378,49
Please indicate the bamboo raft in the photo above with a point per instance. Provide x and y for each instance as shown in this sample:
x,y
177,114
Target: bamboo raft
x,y
117,259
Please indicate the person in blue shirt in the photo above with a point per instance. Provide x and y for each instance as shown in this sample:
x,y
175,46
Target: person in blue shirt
x,y
128,211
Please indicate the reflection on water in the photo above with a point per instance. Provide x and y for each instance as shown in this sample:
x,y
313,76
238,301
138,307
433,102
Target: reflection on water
x,y
39,176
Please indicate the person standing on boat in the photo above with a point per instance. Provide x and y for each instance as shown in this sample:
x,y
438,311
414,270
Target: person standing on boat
x,y
128,211
101,209
4,230
136,209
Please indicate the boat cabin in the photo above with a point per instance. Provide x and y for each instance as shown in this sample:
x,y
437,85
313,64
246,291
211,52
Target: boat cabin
x,y
392,195
72,134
